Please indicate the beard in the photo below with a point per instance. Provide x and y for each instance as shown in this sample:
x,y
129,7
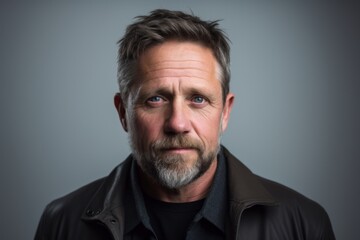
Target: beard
x,y
173,170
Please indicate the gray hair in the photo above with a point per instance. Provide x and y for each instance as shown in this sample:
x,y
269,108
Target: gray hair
x,y
164,25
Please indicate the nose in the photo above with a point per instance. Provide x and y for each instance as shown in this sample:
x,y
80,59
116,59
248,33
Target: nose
x,y
177,120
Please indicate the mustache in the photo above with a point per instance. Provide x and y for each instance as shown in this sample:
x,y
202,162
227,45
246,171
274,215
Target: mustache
x,y
178,141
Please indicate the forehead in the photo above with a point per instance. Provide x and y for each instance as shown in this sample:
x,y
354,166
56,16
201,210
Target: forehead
x,y
178,59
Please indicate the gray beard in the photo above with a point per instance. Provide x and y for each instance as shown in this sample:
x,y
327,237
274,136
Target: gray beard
x,y
171,171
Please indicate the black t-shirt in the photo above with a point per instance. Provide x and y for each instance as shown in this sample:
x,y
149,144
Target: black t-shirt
x,y
171,220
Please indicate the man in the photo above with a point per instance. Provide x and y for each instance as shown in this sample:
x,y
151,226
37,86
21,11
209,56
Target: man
x,y
179,182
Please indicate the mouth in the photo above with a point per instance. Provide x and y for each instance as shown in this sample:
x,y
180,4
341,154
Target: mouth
x,y
178,150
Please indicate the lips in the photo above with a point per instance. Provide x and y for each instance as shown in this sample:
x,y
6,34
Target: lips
x,y
178,149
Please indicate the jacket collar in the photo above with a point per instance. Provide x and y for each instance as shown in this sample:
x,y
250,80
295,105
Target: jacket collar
x,y
245,189
107,204
244,186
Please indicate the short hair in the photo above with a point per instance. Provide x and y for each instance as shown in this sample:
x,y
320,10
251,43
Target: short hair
x,y
163,25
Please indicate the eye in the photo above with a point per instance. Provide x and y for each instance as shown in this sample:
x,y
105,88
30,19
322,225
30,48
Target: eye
x,y
198,99
155,101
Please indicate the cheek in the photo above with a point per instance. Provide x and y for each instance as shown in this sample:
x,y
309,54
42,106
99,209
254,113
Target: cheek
x,y
208,128
148,127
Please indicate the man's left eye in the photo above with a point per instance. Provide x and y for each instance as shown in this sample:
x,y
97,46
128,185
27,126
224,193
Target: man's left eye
x,y
198,99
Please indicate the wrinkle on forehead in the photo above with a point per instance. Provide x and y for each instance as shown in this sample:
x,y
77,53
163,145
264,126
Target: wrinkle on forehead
x,y
175,55
178,64
181,69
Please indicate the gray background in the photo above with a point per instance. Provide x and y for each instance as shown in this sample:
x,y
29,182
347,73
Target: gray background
x,y
295,73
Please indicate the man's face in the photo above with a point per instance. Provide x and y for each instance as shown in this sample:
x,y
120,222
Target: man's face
x,y
175,115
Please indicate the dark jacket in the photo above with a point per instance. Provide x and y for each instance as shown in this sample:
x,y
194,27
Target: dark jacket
x,y
259,209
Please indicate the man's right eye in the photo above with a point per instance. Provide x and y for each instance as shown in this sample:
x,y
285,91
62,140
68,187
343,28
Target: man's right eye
x,y
155,99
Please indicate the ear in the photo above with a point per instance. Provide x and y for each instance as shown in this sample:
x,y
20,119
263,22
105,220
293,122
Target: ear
x,y
120,107
229,101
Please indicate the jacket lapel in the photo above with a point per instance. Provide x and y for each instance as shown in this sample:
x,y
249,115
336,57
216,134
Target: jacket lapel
x,y
107,204
245,190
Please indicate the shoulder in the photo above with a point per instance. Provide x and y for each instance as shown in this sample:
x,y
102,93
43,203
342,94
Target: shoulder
x,y
289,198
79,199
74,202
274,206
244,183
67,212
297,211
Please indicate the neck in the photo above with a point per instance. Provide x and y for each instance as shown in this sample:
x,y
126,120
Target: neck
x,y
196,190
